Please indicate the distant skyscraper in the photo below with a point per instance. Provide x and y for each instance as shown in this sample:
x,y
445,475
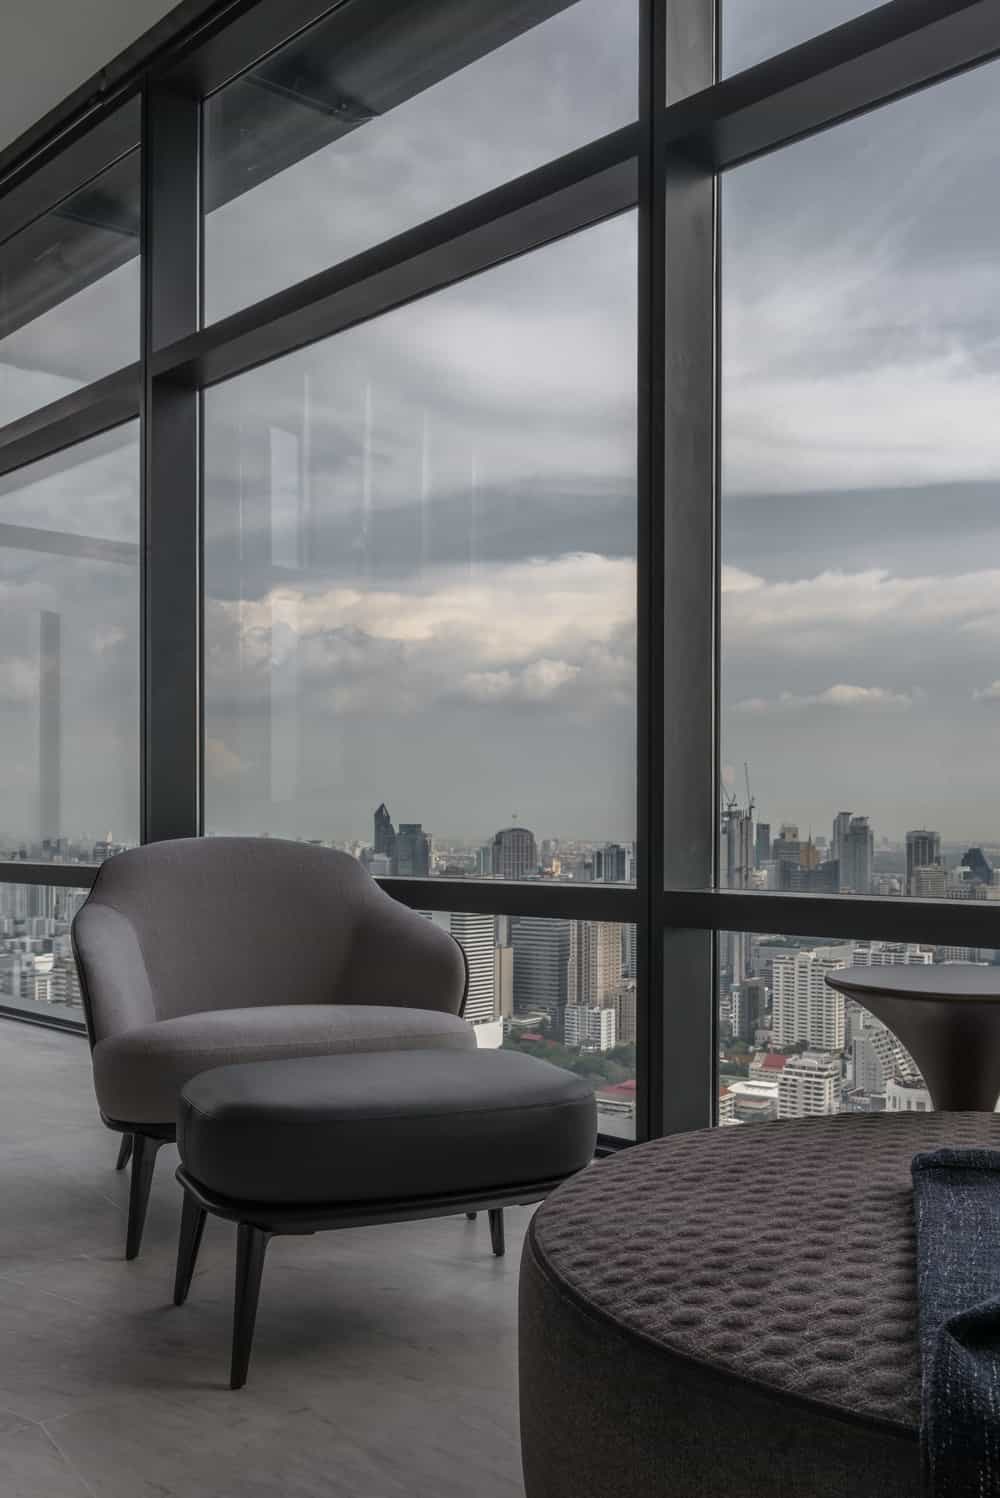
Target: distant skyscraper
x,y
923,849
541,963
413,852
385,833
928,883
762,844
595,963
856,851
629,953
613,864
841,827
979,867
805,1007
625,1014
515,853
477,936
787,846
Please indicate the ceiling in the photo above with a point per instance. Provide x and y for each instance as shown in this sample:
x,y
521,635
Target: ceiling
x,y
51,47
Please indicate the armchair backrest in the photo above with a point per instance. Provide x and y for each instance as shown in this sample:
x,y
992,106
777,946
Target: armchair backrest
x,y
197,924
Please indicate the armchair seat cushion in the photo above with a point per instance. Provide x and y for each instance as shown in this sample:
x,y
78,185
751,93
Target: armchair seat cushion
x,y
139,1075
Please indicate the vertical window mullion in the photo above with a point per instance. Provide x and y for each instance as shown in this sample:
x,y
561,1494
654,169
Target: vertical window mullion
x,y
170,469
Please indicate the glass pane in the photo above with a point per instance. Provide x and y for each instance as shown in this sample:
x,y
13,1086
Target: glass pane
x,y
790,1046
753,30
37,971
348,136
573,1000
860,526
69,652
69,293
420,576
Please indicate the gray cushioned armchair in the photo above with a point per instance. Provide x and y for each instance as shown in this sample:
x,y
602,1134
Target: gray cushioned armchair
x,y
207,952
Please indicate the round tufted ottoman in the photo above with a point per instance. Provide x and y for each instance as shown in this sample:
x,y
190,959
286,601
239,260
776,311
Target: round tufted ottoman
x,y
732,1311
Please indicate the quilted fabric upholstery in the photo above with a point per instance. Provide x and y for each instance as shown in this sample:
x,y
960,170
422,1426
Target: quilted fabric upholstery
x,y
781,1253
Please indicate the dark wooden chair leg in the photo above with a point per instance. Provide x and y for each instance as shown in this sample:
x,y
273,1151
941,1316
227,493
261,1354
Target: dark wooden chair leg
x,y
496,1231
144,1152
251,1246
188,1244
124,1152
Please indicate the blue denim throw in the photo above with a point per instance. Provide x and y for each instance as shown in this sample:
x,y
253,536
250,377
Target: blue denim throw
x,y
956,1201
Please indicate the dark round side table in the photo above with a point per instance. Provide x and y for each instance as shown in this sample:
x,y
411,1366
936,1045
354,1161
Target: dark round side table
x,y
948,1018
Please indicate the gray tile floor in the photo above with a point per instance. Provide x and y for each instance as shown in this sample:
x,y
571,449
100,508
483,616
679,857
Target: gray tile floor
x,y
384,1362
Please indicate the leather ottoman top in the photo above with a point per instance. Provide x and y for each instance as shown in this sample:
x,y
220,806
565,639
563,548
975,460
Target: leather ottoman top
x,y
383,1126
783,1253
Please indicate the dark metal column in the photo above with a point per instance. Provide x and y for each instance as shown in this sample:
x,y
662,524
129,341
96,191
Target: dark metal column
x,y
677,573
170,470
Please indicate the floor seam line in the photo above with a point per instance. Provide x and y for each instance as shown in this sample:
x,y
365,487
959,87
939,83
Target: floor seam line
x,y
70,1466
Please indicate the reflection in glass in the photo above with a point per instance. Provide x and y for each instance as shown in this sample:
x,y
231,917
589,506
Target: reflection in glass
x,y
860,525
420,576
69,652
353,133
790,1046
69,293
37,972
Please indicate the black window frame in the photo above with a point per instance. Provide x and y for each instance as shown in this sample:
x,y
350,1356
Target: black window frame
x,y
691,128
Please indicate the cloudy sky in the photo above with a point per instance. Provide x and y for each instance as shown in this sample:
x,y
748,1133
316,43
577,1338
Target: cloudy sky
x,y
420,536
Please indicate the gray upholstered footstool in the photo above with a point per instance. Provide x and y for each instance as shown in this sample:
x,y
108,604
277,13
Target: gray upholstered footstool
x,y
343,1141
732,1311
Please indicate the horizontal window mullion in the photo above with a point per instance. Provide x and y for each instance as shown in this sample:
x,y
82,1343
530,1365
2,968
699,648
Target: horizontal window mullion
x,y
580,189
880,56
860,917
63,875
591,902
96,408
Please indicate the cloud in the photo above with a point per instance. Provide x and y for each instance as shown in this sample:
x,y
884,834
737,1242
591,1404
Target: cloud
x,y
18,680
841,695
537,682
825,613
987,694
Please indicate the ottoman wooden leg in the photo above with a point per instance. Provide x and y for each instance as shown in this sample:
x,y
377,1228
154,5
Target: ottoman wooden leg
x,y
188,1244
496,1231
251,1246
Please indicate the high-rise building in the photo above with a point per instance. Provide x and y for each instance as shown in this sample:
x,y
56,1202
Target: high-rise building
x,y
630,956
749,1005
541,964
591,1028
595,963
804,1006
856,854
737,848
413,852
787,845
613,864
928,883
515,854
477,936
923,849
841,826
979,867
384,840
820,879
624,998
762,844
809,1085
